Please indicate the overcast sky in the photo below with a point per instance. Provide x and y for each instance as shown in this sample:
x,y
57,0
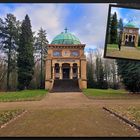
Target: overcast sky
x,y
87,21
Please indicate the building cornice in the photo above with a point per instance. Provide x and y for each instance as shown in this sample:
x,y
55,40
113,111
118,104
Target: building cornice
x,y
64,46
131,28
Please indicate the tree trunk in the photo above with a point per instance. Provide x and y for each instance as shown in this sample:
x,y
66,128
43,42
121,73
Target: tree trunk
x,y
9,65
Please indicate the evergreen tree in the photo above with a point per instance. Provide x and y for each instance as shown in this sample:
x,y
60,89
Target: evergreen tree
x,y
113,29
9,36
129,71
41,47
25,61
109,29
120,24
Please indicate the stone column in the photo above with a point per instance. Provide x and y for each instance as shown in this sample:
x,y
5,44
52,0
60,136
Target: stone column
x,y
48,69
78,72
48,74
60,71
71,72
83,74
53,72
136,40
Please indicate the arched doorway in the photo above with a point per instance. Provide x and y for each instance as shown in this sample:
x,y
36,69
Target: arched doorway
x,y
66,70
130,41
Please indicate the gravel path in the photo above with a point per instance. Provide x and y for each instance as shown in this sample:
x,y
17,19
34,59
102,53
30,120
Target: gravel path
x,y
67,114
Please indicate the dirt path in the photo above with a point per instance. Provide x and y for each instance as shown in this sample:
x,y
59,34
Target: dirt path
x,y
67,114
126,52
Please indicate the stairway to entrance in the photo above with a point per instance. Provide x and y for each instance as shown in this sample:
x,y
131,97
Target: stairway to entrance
x,y
66,85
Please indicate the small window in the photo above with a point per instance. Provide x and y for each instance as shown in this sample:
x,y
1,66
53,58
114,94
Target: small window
x,y
74,53
56,53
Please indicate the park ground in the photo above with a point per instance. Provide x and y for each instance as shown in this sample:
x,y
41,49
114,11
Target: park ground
x,y
72,114
112,50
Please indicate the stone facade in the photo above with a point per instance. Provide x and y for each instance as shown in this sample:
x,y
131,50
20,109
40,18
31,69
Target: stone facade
x,y
130,36
65,61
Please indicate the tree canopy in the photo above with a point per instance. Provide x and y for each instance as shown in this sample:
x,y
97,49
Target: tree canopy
x,y
129,71
25,61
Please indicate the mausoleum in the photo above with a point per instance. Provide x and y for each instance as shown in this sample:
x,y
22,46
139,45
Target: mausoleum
x,y
130,35
65,62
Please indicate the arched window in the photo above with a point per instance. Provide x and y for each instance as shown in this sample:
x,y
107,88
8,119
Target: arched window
x,y
130,38
126,37
57,68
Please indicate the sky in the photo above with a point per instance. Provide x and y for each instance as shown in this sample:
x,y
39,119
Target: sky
x,y
127,15
86,21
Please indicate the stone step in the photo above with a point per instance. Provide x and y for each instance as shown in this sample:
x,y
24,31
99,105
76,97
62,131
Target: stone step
x,y
65,85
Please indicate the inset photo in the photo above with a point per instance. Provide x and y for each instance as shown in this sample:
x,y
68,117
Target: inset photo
x,y
123,33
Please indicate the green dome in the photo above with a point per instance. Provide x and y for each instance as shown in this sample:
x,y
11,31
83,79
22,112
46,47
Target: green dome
x,y
65,38
131,25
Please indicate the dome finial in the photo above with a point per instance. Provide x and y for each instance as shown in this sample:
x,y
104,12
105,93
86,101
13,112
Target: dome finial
x,y
66,30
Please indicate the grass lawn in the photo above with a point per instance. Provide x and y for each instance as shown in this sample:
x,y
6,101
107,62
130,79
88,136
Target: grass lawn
x,y
115,46
25,95
109,93
112,46
126,52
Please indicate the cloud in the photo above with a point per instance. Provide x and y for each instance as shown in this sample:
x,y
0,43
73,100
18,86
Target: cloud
x,y
50,17
128,14
4,9
92,26
135,16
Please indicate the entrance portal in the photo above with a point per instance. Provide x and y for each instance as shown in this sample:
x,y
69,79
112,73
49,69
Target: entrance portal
x,y
129,41
66,71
